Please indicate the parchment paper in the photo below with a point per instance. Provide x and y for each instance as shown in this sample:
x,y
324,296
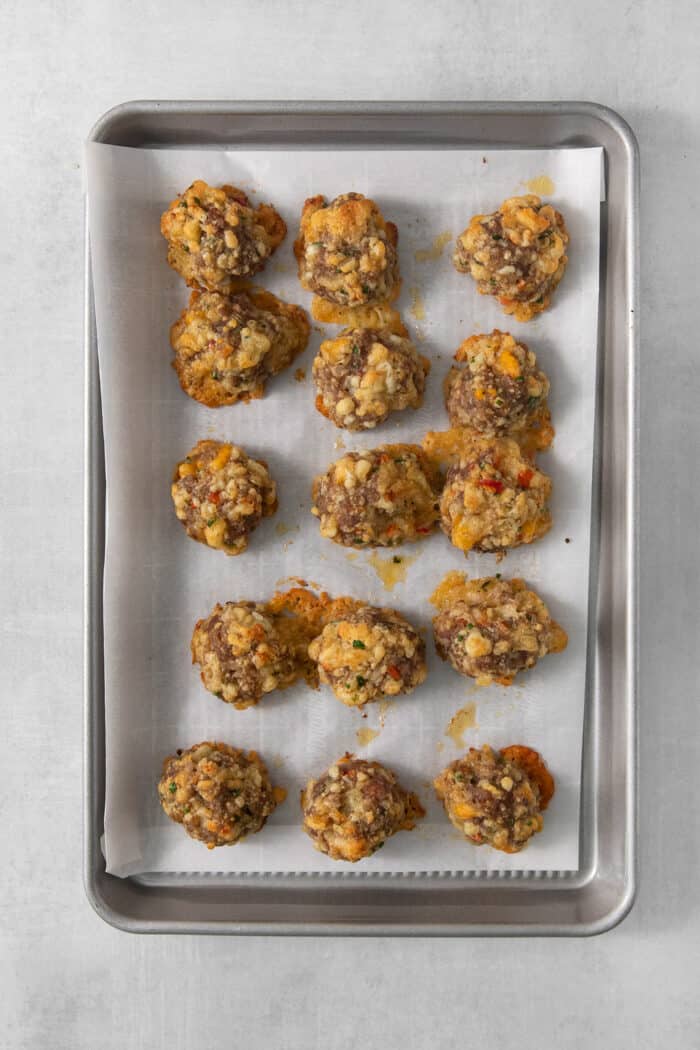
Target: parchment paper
x,y
158,582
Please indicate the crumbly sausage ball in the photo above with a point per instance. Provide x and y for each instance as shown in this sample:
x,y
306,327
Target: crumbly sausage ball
x,y
365,374
379,498
346,251
221,495
369,654
215,235
499,390
518,254
227,346
496,797
490,629
241,654
218,793
354,807
494,498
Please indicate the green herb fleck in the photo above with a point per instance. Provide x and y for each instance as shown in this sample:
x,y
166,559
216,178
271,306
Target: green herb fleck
x,y
540,300
355,349
459,777
366,289
498,401
172,787
498,575
357,644
211,522
215,374
396,560
186,249
532,400
496,237
460,637
360,681
470,626
186,809
197,201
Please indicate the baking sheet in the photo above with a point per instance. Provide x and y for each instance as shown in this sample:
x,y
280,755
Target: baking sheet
x,y
157,582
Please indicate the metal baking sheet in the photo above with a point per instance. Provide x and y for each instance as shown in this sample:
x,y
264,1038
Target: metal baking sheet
x,y
601,891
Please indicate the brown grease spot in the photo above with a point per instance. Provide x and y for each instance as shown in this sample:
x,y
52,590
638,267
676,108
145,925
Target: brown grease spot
x,y
542,185
433,253
366,735
417,304
461,720
391,570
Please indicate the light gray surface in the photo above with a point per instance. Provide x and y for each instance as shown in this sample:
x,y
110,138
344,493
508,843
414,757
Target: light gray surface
x,y
67,980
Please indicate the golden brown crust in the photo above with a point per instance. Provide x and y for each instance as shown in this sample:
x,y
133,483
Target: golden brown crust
x,y
241,653
346,251
499,391
215,236
218,793
492,797
354,807
379,498
517,254
491,629
368,654
494,498
228,346
221,495
364,374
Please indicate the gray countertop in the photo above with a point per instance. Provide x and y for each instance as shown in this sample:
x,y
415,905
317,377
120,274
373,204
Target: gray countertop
x,y
70,982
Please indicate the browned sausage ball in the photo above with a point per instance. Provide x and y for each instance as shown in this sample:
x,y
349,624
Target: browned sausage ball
x,y
221,495
364,374
215,235
490,629
241,653
379,498
517,254
218,793
494,498
346,251
354,807
228,346
496,797
369,654
499,390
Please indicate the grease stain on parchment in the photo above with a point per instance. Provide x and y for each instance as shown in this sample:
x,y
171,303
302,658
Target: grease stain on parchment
x,y
460,722
391,570
433,253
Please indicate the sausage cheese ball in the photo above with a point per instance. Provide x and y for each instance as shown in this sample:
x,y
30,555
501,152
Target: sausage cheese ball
x,y
379,498
354,807
369,654
518,254
364,374
490,629
494,498
221,495
227,346
218,793
499,390
346,251
496,797
241,654
215,235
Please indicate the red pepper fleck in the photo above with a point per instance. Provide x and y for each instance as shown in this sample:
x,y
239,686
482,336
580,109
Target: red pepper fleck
x,y
424,529
214,497
524,478
491,483
394,672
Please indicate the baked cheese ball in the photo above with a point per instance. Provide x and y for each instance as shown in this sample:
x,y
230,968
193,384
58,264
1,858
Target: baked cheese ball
x,y
499,390
365,374
354,807
221,495
346,251
241,653
517,254
494,498
491,629
379,498
368,655
228,345
496,797
218,793
215,236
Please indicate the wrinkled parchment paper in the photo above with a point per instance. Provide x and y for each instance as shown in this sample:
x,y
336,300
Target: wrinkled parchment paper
x,y
158,582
